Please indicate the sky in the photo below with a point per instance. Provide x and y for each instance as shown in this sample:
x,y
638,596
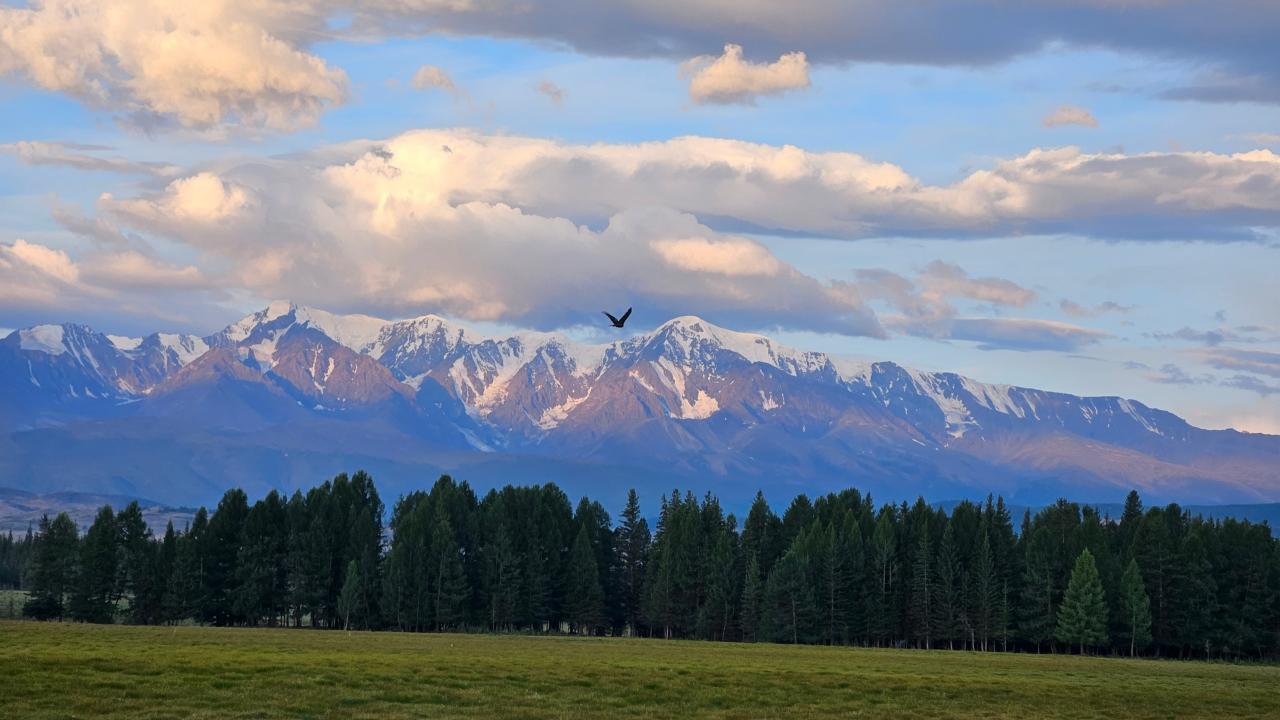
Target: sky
x,y
1076,195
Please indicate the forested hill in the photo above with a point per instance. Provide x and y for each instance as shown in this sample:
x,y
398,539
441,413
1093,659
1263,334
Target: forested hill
x,y
834,569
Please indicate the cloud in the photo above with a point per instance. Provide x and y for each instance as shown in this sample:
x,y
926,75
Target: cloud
x,y
729,79
1075,309
1259,362
1213,338
1070,115
1023,334
195,65
726,256
552,91
1170,374
74,155
1271,139
432,76
1250,383
399,228
926,310
735,185
483,226
1237,46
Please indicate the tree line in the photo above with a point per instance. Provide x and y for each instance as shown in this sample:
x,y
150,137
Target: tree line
x,y
836,569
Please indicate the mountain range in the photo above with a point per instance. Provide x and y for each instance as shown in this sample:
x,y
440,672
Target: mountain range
x,y
290,395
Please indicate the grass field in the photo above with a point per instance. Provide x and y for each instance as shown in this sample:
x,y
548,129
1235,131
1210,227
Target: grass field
x,y
63,670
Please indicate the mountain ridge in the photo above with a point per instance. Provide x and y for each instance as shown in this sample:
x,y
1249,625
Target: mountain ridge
x,y
687,400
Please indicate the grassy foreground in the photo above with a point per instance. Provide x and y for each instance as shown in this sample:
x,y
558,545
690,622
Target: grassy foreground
x,y
64,670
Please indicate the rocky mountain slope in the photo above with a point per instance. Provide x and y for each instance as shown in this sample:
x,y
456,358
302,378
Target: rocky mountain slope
x,y
290,394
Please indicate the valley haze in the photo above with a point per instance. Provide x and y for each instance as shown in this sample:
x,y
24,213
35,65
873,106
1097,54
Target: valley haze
x,y
291,394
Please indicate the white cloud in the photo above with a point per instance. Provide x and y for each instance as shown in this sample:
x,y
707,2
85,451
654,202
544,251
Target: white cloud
x,y
397,229
834,194
725,256
1070,115
485,227
432,76
731,79
197,64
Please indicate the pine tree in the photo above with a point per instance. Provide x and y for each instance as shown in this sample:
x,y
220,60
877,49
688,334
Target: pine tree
x,y
583,595
94,598
1037,610
752,601
1136,608
633,549
349,599
52,576
922,586
449,581
947,599
984,590
137,578
1083,618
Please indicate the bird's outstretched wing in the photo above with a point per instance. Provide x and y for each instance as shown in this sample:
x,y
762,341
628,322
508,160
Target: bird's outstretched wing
x,y
612,319
625,315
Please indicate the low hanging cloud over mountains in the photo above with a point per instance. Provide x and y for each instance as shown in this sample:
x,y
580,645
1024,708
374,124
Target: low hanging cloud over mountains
x,y
482,227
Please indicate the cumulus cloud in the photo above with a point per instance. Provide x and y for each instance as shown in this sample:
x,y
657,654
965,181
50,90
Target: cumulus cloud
x,y
1070,115
81,157
431,76
194,64
407,227
729,78
732,185
553,92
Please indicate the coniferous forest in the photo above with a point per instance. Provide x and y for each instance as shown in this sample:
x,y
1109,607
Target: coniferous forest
x,y
832,570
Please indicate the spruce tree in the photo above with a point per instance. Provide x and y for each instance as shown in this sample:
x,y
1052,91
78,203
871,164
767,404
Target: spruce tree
x,y
52,575
922,610
752,601
1136,608
583,596
449,582
94,598
947,600
633,549
1083,618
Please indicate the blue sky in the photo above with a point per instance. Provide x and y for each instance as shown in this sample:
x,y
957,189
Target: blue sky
x,y
1191,324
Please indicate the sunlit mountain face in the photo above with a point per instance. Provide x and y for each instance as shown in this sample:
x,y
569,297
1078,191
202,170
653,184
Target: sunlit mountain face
x,y
292,394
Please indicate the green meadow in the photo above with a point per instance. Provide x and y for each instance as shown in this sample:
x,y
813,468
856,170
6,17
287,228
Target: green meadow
x,y
63,670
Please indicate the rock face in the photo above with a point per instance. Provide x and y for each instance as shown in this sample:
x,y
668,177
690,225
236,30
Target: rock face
x,y
291,391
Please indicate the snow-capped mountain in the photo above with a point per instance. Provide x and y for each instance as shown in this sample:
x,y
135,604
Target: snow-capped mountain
x,y
293,390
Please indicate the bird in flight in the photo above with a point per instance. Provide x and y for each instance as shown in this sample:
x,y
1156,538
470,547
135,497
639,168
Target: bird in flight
x,y
619,322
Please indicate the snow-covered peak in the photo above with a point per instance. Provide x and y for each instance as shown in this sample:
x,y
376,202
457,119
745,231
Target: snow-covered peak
x,y
43,338
357,332
689,338
123,342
